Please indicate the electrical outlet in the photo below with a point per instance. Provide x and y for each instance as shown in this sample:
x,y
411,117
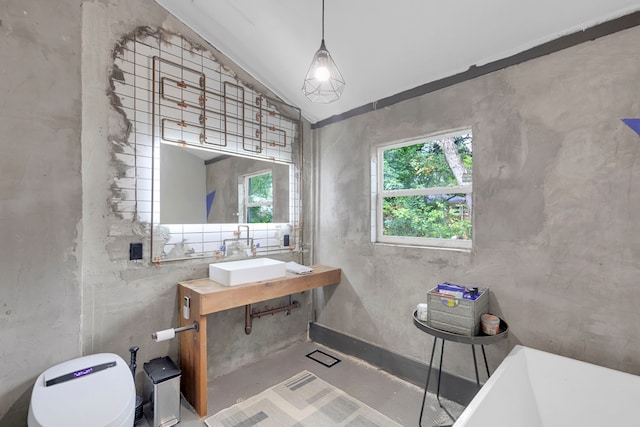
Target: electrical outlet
x,y
135,251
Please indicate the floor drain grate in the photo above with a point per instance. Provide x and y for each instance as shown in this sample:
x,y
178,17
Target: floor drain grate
x,y
323,358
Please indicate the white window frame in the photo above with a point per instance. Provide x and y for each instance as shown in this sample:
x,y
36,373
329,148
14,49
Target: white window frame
x,y
377,176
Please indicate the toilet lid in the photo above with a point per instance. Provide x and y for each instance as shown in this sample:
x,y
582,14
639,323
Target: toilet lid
x,y
95,390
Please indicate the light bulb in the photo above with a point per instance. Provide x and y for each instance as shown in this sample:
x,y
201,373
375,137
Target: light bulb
x,y
322,73
323,81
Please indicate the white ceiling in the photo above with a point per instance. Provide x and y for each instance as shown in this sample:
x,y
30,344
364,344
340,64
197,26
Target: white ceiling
x,y
382,47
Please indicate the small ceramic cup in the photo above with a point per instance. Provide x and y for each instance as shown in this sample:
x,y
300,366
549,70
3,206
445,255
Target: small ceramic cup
x,y
490,324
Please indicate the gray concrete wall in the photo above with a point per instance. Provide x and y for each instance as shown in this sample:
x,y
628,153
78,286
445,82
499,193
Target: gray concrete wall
x,y
40,193
556,179
68,287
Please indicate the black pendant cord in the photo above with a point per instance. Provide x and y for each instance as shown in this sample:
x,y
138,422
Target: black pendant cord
x,y
322,20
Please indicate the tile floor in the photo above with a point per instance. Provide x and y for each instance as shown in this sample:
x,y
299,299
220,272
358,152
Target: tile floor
x,y
396,398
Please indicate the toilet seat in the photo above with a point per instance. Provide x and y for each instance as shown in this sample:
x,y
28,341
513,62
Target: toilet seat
x,y
87,391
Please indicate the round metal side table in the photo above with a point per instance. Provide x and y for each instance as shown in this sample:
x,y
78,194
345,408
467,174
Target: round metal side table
x,y
480,340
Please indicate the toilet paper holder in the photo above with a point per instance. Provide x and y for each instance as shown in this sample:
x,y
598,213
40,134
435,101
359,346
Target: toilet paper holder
x,y
168,334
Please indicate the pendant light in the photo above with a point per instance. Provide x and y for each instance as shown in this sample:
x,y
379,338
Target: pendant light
x,y
323,83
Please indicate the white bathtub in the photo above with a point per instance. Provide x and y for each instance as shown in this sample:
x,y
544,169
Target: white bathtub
x,y
532,388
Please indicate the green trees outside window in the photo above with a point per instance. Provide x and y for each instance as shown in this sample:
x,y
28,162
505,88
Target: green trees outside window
x,y
259,199
426,189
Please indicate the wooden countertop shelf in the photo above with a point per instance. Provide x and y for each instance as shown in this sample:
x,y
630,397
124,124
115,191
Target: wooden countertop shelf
x,y
215,297
207,296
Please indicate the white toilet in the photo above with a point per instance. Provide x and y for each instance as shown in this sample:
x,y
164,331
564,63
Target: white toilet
x,y
96,390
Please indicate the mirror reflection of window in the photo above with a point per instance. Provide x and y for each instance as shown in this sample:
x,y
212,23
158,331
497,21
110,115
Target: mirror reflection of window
x,y
258,197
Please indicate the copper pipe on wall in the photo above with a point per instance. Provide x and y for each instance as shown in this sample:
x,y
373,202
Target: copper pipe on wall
x,y
249,315
225,114
275,310
247,319
226,100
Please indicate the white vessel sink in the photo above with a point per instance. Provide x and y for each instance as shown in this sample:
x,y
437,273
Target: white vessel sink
x,y
246,271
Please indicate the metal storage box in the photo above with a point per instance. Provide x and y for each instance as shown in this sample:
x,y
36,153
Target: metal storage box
x,y
162,390
457,315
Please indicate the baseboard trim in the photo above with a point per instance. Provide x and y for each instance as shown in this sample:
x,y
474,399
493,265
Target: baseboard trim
x,y
452,387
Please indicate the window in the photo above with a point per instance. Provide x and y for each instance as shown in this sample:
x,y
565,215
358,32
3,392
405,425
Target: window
x,y
424,191
258,197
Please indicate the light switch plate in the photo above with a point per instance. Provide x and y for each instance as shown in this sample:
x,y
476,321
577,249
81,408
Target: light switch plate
x,y
135,251
186,308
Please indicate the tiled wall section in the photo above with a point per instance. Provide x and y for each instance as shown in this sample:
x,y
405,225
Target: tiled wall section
x,y
136,195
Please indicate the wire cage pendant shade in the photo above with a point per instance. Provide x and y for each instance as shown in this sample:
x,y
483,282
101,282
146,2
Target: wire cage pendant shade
x,y
324,82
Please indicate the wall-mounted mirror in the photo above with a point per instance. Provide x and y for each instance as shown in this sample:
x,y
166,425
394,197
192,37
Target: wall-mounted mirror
x,y
205,186
211,153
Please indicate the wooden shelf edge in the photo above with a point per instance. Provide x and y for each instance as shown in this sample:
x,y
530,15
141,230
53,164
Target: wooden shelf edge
x,y
215,297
